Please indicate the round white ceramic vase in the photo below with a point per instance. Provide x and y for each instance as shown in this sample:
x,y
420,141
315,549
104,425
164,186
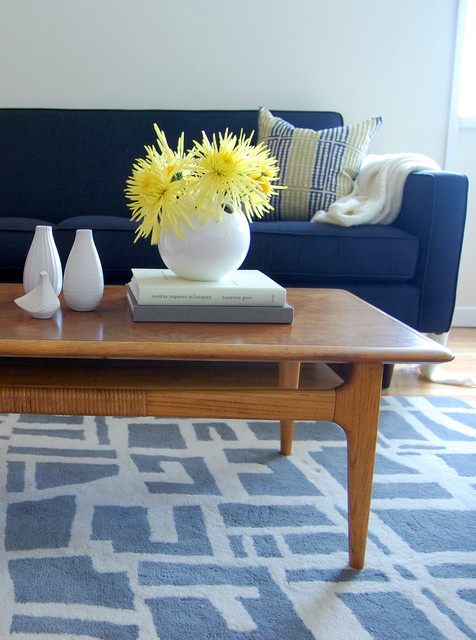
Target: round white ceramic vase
x,y
43,256
83,276
212,250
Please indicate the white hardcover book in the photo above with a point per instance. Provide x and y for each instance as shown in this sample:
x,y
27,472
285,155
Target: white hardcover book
x,y
245,287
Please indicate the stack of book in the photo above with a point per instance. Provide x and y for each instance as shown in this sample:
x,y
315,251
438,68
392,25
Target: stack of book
x,y
158,295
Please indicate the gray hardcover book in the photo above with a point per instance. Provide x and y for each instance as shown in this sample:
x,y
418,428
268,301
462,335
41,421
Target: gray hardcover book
x,y
221,313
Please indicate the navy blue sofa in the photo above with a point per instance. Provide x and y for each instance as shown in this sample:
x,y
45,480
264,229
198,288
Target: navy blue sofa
x,y
68,168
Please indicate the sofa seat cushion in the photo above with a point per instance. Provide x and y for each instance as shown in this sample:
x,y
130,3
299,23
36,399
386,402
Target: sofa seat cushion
x,y
96,223
300,252
16,235
114,239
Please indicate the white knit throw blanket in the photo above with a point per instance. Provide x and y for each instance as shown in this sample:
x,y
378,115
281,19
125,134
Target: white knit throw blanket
x,y
376,197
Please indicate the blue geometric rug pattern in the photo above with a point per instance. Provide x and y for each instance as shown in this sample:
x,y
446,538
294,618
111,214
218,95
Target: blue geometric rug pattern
x,y
144,528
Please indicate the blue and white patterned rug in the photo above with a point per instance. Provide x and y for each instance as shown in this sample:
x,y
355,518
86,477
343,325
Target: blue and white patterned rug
x,y
132,528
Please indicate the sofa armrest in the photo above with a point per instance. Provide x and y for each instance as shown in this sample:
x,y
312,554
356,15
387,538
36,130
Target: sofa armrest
x,y
434,209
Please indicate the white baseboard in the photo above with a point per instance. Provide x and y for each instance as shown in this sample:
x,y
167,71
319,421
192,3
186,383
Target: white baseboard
x,y
464,317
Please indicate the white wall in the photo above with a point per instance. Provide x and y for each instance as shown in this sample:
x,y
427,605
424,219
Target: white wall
x,y
372,57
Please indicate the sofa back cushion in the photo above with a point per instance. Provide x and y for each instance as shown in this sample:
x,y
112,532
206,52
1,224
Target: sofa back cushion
x,y
58,163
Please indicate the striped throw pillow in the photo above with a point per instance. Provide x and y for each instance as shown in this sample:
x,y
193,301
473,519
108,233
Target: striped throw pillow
x,y
317,167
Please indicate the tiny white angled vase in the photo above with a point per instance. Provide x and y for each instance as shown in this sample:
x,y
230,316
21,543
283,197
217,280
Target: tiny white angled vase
x,y
43,256
42,301
83,276
212,250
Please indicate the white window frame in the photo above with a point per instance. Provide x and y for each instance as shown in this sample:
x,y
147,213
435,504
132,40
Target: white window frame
x,y
463,12
455,121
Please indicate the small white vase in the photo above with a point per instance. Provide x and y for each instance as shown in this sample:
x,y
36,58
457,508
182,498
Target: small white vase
x,y
83,277
43,256
212,250
42,301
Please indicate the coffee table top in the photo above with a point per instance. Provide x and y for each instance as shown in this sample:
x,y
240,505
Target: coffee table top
x,y
330,325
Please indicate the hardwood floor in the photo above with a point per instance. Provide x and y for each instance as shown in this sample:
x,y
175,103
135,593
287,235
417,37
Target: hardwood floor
x,y
408,381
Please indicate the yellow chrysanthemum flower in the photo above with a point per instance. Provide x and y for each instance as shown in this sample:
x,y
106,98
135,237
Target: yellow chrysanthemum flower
x,y
232,169
168,187
156,189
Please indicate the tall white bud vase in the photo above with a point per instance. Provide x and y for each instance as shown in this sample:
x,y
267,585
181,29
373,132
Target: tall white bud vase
x,y
43,256
83,277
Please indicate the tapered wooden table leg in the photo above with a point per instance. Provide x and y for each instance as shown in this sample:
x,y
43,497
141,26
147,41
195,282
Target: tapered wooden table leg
x,y
288,379
357,412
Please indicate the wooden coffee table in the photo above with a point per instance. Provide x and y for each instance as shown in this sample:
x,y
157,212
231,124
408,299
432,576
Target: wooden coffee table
x,y
103,363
